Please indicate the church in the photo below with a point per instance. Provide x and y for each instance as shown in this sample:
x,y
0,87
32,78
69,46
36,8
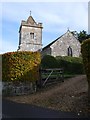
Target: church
x,y
30,39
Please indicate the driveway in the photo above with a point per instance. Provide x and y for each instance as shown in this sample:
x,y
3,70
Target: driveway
x,y
12,109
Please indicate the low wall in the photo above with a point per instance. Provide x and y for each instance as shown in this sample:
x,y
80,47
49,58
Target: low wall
x,y
12,89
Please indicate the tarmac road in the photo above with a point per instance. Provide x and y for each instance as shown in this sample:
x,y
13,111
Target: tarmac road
x,y
12,109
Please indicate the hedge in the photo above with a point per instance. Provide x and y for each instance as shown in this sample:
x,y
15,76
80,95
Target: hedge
x,y
85,49
20,66
71,65
49,61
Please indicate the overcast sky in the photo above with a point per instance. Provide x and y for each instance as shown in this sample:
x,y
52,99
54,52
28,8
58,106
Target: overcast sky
x,y
55,16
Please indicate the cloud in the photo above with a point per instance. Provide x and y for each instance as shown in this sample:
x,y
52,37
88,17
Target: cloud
x,y
49,12
55,16
74,15
44,1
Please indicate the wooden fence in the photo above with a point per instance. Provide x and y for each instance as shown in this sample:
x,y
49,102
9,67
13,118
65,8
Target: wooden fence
x,y
47,76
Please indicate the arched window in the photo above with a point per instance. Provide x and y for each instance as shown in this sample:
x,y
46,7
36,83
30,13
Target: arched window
x,y
32,35
70,51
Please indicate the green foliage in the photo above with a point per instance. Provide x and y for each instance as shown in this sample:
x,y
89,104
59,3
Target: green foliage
x,y
48,62
71,65
83,36
85,49
20,66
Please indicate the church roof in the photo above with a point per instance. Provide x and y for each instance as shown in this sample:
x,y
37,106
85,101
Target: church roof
x,y
57,39
30,20
51,43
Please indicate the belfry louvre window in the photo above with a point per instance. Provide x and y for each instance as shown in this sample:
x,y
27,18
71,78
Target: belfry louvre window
x,y
70,51
32,35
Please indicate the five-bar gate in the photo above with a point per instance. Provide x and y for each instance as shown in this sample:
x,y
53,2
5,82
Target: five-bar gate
x,y
51,76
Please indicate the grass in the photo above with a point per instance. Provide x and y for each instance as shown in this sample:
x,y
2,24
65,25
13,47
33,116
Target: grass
x,y
69,75
54,75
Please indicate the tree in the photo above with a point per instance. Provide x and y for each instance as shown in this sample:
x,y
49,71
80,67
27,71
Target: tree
x,y
83,36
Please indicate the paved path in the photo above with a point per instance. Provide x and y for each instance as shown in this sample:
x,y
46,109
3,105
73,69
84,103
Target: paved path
x,y
20,110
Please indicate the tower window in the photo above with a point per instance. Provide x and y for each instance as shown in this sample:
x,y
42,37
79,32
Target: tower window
x,y
70,51
32,35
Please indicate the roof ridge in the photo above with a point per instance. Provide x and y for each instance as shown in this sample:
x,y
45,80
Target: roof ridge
x,y
58,38
53,41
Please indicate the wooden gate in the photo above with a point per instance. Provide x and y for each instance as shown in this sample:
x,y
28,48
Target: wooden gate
x,y
51,76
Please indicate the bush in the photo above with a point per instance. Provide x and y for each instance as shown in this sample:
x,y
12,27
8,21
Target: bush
x,y
71,65
20,66
48,62
85,49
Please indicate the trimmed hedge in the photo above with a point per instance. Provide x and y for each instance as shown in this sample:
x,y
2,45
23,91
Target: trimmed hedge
x,y
85,49
71,65
49,61
20,66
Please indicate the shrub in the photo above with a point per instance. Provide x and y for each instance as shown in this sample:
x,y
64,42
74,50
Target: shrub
x,y
72,65
20,66
86,56
48,62
85,49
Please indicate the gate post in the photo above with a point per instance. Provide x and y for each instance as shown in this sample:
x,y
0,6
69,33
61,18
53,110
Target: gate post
x,y
40,77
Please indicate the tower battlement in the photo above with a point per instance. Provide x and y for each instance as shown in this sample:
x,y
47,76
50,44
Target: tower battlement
x,y
30,35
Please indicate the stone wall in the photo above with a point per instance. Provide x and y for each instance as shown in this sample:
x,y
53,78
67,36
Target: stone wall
x,y
60,47
46,51
22,88
28,44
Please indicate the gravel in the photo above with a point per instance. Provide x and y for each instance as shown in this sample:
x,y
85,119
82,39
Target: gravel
x,y
70,95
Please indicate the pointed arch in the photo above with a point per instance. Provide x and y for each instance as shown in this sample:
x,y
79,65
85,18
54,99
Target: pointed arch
x,y
70,53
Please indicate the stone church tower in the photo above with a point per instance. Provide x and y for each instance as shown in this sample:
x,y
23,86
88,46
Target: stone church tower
x,y
30,35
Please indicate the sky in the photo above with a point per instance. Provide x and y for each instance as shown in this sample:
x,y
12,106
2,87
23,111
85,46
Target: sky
x,y
56,17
